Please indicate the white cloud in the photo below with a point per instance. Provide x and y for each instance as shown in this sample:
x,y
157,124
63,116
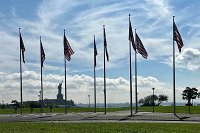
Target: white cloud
x,y
82,24
188,59
78,87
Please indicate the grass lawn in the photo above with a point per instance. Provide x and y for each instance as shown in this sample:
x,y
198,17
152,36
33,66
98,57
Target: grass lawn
x,y
163,109
169,109
30,127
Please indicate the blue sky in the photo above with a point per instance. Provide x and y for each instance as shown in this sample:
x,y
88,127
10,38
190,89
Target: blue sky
x,y
82,20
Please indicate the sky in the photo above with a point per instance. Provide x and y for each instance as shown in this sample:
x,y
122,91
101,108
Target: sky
x,y
84,19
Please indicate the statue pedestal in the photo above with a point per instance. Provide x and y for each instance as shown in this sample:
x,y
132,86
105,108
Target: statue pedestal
x,y
60,97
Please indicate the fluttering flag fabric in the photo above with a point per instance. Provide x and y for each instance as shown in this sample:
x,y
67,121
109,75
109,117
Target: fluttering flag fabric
x,y
42,53
95,53
67,49
140,46
105,44
131,38
177,37
22,48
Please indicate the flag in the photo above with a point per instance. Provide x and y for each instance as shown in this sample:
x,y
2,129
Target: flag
x,y
67,49
105,44
95,53
22,48
140,47
131,38
177,37
42,53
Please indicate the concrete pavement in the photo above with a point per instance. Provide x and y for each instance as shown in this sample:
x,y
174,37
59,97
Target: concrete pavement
x,y
118,116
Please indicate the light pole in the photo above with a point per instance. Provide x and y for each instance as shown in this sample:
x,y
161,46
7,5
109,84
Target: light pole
x,y
153,99
89,101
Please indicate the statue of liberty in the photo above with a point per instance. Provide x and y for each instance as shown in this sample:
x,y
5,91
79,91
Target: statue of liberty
x,y
60,96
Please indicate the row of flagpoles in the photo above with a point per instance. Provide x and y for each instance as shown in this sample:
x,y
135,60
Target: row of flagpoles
x,y
67,56
138,47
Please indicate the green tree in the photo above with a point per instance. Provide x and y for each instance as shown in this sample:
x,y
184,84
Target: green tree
x,y
148,100
15,105
189,94
162,98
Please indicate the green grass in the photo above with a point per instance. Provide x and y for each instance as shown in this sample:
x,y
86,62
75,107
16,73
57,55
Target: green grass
x,y
169,109
59,110
30,127
163,109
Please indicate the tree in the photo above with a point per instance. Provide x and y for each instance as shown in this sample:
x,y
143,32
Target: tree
x,y
33,104
189,94
15,104
162,98
148,100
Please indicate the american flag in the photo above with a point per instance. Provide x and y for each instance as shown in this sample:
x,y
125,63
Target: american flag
x,y
131,38
105,44
22,47
95,53
42,53
67,49
140,47
177,37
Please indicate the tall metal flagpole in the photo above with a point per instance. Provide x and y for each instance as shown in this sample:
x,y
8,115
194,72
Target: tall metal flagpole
x,y
20,52
131,97
104,72
95,106
65,78
136,99
174,96
65,87
42,102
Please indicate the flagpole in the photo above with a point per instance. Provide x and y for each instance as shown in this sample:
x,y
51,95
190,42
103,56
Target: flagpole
x,y
131,96
20,73
65,81
136,99
42,102
174,96
95,106
65,87
104,73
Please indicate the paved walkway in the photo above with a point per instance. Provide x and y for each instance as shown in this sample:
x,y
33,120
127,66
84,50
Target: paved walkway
x,y
119,116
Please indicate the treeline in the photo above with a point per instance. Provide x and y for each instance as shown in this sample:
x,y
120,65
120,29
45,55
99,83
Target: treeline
x,y
153,100
32,104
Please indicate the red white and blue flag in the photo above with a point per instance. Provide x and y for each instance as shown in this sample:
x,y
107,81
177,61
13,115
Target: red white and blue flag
x,y
140,46
22,48
177,37
131,37
42,53
95,53
105,44
67,49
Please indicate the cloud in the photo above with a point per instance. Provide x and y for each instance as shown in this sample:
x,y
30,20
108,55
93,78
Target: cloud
x,y
78,87
188,59
82,20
